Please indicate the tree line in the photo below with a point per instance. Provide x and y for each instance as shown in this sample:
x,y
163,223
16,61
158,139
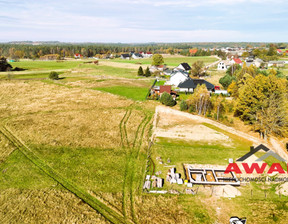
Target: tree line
x,y
28,50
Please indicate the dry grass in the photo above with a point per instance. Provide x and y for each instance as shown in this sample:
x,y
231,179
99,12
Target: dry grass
x,y
45,206
54,115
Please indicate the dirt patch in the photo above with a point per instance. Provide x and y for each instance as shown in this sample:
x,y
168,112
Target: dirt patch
x,y
197,132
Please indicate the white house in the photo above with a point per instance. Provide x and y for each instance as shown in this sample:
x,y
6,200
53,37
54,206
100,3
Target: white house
x,y
125,56
146,54
137,56
177,77
224,65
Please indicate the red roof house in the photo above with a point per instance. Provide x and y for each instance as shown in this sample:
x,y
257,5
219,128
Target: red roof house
x,y
78,55
193,51
237,61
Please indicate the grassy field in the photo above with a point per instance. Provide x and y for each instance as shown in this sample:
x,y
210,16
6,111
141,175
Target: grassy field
x,y
170,61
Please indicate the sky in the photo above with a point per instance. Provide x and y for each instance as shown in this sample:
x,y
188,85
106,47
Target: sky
x,y
142,21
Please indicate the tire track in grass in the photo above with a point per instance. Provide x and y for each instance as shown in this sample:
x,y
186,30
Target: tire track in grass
x,y
132,158
110,214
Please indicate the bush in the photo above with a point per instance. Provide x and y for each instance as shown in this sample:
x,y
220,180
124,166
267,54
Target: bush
x,y
183,105
167,99
54,75
192,109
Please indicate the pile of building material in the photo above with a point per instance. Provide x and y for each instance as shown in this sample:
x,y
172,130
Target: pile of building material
x,y
226,191
174,177
157,182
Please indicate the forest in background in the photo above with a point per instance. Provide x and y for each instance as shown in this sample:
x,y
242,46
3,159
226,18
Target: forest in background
x,y
34,50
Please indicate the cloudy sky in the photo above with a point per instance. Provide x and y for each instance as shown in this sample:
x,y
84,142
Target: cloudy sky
x,y
135,21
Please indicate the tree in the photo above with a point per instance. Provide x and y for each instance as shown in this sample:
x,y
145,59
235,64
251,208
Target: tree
x,y
4,65
157,59
272,117
262,101
197,68
245,54
233,89
218,104
147,72
226,81
183,105
199,100
140,71
54,75
167,99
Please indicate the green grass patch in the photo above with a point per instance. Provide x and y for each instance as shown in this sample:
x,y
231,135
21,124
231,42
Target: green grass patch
x,y
180,151
86,166
45,65
130,92
18,172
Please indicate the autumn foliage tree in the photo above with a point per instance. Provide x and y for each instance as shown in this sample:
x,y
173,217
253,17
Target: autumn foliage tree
x,y
197,68
199,101
262,102
157,59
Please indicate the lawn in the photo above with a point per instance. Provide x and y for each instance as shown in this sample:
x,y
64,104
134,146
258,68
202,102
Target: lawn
x,y
170,61
130,92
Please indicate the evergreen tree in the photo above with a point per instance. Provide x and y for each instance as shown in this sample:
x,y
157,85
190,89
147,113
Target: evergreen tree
x,y
140,71
147,72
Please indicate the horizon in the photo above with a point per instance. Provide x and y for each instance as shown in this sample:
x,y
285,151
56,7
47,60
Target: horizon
x,y
144,21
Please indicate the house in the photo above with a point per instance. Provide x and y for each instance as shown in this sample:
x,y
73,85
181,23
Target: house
x,y
137,56
159,90
184,67
236,61
77,56
146,54
258,62
223,65
155,68
125,56
193,51
279,51
177,77
168,72
190,84
276,63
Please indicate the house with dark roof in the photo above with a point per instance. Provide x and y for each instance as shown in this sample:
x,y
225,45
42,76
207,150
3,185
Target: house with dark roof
x,y
184,67
125,56
190,84
137,56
